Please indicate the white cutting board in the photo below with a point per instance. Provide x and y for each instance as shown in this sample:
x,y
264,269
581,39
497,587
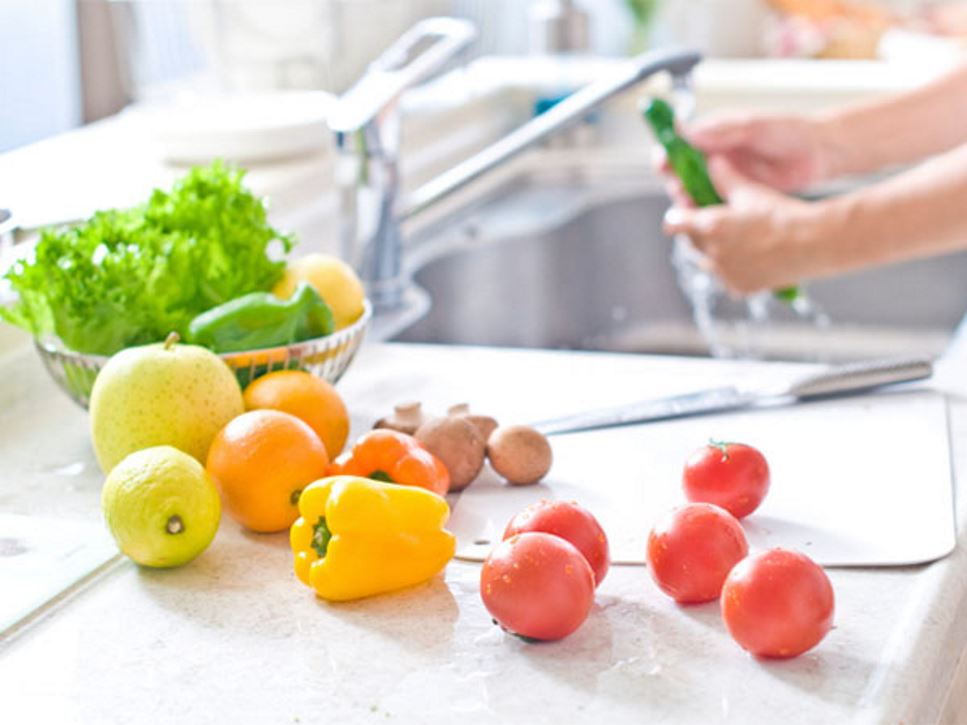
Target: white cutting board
x,y
863,481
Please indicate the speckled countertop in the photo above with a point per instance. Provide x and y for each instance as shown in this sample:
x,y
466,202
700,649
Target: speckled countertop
x,y
233,637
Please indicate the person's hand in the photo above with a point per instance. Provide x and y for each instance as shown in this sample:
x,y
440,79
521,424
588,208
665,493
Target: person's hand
x,y
759,239
785,152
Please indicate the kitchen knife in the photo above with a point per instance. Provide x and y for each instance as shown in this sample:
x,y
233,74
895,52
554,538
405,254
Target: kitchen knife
x,y
846,379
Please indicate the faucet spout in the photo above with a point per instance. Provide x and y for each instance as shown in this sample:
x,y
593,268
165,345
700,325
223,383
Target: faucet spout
x,y
366,124
569,111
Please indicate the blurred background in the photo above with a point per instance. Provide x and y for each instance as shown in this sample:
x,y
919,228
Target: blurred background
x,y
69,62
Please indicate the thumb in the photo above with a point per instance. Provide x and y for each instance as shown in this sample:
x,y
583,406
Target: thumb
x,y
728,180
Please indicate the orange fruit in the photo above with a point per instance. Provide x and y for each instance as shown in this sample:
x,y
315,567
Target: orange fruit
x,y
260,463
308,398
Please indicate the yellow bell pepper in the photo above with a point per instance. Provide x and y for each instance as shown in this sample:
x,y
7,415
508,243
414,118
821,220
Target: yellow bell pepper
x,y
356,537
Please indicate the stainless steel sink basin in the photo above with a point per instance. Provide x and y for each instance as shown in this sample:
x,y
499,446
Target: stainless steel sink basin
x,y
563,258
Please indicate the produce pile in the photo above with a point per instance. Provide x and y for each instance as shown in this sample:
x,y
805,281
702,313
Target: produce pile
x,y
180,440
539,582
370,519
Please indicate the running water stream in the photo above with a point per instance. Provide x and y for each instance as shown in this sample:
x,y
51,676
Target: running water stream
x,y
732,327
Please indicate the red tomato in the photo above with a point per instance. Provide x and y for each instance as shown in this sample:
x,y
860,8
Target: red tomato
x,y
778,603
571,522
537,585
692,549
731,475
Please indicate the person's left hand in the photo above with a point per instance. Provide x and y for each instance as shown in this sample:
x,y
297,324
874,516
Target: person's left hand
x,y
758,239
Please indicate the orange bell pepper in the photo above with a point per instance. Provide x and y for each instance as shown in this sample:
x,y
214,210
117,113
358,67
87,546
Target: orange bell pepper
x,y
393,457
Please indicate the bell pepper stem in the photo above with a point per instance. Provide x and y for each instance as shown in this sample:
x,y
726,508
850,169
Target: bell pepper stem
x,y
381,476
320,537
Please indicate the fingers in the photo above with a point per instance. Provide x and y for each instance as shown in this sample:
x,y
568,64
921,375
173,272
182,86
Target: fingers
x,y
728,180
709,222
702,226
676,221
782,176
722,134
676,192
707,230
659,160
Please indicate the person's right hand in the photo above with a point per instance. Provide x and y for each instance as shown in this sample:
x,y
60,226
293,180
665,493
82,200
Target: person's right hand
x,y
759,238
785,152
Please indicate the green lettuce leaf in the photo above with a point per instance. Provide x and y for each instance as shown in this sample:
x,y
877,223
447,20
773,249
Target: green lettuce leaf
x,y
130,276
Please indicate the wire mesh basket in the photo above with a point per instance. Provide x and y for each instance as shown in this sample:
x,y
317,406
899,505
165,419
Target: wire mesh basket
x,y
325,357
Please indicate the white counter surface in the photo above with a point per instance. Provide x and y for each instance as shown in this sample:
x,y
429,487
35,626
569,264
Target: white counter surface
x,y
233,637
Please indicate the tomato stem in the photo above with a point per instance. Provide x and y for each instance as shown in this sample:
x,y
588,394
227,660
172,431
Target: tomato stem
x,y
381,476
722,446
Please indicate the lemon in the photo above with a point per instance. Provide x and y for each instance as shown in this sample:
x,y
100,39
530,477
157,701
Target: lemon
x,y
161,507
334,280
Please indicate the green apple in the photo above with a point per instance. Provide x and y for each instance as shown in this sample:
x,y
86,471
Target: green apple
x,y
163,394
161,507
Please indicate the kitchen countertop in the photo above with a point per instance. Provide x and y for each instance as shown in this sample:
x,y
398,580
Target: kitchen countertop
x,y
234,637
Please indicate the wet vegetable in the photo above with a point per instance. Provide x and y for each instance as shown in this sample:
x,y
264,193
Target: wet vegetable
x,y
778,603
691,550
537,586
573,523
689,166
734,476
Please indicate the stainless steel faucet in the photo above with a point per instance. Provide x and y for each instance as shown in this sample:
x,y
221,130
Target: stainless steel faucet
x,y
367,126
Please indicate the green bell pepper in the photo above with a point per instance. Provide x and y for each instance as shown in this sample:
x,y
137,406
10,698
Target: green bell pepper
x,y
689,166
260,319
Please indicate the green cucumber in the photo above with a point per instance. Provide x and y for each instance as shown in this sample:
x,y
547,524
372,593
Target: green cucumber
x,y
690,166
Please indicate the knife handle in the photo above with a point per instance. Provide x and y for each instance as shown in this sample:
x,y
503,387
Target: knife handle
x,y
854,377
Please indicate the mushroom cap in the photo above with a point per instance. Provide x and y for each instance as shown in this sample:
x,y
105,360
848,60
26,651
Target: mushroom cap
x,y
520,454
457,442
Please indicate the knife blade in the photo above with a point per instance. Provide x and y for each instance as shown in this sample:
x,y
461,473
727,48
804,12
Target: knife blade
x,y
849,379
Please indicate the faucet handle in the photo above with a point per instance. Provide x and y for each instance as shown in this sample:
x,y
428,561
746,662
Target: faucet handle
x,y
414,57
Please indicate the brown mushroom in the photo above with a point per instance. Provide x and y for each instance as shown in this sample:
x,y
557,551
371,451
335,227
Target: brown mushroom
x,y
405,418
457,442
485,424
520,454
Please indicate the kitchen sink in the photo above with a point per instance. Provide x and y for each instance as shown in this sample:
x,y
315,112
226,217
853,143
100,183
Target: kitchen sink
x,y
571,255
